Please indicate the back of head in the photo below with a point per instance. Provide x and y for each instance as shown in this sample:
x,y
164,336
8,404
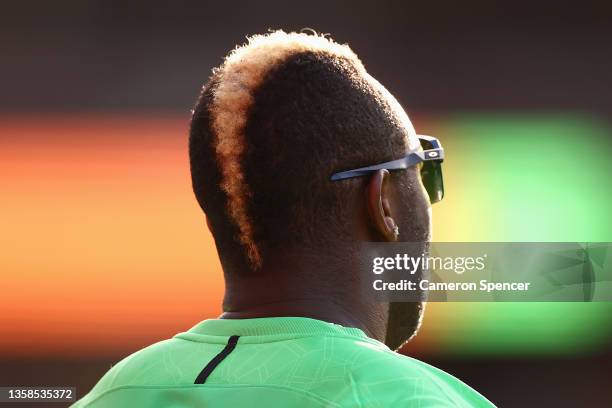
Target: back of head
x,y
275,120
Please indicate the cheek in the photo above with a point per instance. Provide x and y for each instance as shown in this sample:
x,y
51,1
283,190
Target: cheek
x,y
416,222
427,223
422,215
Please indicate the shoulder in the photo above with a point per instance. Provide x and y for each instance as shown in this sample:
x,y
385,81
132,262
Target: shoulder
x,y
386,378
166,362
153,364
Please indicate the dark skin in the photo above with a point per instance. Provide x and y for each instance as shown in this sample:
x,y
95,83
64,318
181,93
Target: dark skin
x,y
322,284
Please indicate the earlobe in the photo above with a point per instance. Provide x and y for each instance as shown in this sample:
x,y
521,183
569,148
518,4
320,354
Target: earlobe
x,y
379,209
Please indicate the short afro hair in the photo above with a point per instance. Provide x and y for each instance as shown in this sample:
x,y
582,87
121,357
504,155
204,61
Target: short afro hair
x,y
274,121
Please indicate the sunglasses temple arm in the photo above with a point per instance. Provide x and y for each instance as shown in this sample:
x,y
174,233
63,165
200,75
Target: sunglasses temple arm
x,y
403,163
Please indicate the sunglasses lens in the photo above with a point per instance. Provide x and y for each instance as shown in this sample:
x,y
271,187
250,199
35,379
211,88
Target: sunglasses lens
x,y
431,174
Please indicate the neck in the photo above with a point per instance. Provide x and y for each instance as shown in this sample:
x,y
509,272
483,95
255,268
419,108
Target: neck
x,y
320,309
301,295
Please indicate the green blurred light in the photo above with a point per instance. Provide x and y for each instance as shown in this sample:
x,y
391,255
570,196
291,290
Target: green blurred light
x,y
519,177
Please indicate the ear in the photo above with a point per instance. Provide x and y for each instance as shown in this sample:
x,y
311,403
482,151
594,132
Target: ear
x,y
379,210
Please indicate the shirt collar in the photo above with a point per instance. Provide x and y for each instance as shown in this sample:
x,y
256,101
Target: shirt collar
x,y
274,326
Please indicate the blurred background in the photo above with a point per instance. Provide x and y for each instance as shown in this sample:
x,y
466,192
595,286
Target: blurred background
x,y
103,249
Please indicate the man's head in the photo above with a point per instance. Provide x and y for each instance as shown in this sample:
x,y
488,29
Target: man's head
x,y
275,121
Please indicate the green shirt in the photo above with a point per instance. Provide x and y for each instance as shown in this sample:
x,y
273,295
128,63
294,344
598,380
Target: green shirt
x,y
276,362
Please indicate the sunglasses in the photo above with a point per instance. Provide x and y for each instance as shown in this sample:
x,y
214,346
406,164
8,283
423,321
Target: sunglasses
x,y
431,170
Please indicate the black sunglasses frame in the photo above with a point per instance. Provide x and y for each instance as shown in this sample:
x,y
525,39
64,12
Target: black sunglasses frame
x,y
431,156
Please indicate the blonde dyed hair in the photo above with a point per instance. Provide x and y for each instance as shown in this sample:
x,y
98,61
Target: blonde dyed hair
x,y
241,74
